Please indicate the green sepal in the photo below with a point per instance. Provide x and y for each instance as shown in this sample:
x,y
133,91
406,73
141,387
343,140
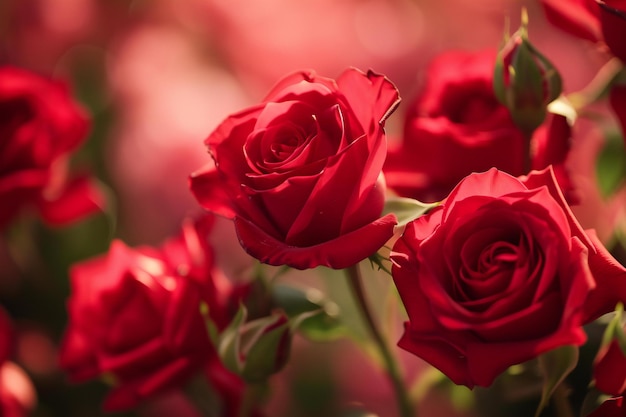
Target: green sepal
x,y
210,325
229,345
269,350
407,209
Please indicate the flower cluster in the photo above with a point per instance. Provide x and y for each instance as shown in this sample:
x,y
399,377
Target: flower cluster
x,y
331,252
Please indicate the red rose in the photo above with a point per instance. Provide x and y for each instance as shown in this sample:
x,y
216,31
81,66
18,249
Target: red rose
x,y
457,126
135,318
594,20
40,126
498,274
299,173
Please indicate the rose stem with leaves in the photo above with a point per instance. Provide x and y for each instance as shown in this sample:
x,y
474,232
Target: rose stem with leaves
x,y
404,404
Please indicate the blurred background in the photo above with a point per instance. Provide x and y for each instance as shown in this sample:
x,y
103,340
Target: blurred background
x,y
157,76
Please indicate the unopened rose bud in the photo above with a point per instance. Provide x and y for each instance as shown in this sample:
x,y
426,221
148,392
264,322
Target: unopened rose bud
x,y
270,351
525,81
257,349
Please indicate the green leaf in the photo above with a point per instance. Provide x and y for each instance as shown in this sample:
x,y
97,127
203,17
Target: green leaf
x,y
322,321
555,366
406,209
611,165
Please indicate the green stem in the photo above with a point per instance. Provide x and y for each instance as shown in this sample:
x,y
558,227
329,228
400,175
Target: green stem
x,y
404,404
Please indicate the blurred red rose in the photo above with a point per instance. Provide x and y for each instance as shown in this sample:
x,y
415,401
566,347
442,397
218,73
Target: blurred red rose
x,y
40,126
457,126
498,274
594,20
300,172
135,317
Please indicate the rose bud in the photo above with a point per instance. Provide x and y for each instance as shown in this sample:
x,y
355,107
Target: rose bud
x,y
257,349
525,81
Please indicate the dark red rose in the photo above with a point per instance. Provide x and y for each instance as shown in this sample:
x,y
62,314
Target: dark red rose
x,y
300,173
457,126
498,274
40,126
609,369
135,317
594,20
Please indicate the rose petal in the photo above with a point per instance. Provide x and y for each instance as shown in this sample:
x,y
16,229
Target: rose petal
x,y
577,17
610,277
342,252
80,198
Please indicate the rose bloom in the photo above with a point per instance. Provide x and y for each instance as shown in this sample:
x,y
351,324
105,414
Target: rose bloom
x,y
457,126
135,317
499,273
593,20
300,173
40,126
